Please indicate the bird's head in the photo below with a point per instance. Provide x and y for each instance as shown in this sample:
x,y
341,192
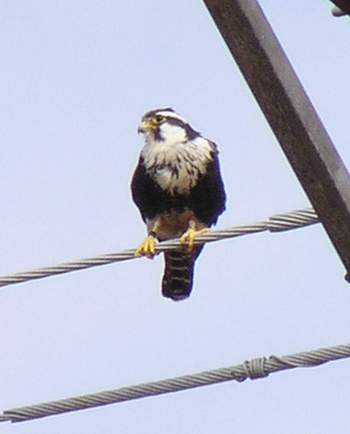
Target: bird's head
x,y
166,125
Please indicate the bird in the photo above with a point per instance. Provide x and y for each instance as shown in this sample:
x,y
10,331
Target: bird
x,y
178,189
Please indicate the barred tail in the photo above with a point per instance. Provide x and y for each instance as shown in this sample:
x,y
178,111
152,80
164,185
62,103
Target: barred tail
x,y
178,274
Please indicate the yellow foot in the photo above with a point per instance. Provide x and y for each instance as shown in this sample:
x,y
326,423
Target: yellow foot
x,y
187,239
147,247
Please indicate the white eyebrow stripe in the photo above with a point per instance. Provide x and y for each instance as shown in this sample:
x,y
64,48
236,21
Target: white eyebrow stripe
x,y
174,115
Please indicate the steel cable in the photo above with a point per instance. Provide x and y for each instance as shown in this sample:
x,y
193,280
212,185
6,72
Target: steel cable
x,y
253,369
276,223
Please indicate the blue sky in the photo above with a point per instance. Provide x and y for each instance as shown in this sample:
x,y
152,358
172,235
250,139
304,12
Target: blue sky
x,y
76,78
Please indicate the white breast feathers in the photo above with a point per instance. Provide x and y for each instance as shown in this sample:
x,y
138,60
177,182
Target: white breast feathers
x,y
176,165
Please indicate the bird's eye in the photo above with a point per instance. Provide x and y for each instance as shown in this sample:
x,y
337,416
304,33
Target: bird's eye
x,y
160,118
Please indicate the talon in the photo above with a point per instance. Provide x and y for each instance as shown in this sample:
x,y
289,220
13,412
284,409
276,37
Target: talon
x,y
188,238
147,247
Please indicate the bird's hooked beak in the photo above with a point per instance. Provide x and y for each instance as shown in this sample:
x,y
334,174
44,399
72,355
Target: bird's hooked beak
x,y
146,125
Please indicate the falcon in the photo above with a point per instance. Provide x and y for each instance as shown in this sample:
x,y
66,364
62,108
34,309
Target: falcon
x,y
178,189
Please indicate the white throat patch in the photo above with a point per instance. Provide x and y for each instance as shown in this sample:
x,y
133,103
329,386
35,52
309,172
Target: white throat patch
x,y
172,134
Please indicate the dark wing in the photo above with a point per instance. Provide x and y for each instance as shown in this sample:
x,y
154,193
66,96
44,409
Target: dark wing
x,y
207,199
147,194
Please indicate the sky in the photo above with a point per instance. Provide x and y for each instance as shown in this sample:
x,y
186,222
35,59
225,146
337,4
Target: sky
x,y
76,78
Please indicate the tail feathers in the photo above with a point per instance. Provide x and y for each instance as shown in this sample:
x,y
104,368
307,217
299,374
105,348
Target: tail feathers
x,y
178,274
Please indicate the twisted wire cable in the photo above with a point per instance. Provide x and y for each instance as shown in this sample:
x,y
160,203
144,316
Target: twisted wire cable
x,y
276,223
257,368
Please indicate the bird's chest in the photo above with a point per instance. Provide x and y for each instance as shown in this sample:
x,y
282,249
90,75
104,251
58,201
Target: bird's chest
x,y
176,170
176,176
176,167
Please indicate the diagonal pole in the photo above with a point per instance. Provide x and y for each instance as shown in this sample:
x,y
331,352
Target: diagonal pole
x,y
290,114
344,5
